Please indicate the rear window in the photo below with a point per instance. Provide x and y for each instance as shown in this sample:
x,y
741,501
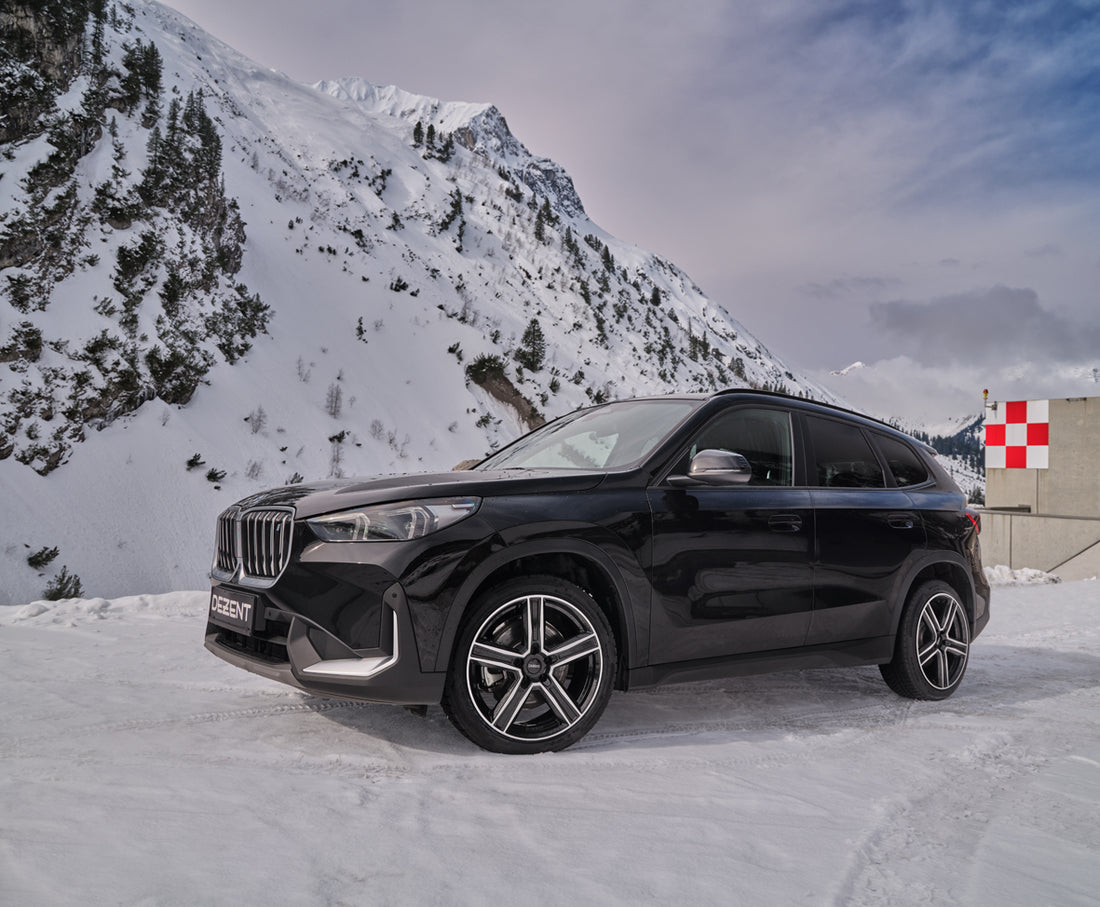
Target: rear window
x,y
842,456
904,463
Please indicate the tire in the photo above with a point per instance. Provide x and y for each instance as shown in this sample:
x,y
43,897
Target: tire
x,y
933,644
533,667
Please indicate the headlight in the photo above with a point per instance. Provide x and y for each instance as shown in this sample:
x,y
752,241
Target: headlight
x,y
393,522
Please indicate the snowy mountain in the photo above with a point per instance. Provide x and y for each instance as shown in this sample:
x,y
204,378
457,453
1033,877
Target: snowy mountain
x,y
961,445
215,279
847,370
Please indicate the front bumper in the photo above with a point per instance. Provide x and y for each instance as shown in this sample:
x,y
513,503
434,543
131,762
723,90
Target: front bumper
x,y
297,651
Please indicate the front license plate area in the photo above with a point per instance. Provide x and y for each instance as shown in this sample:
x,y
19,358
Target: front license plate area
x,y
234,610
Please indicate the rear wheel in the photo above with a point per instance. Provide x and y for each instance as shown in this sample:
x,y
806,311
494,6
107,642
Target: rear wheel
x,y
933,644
533,667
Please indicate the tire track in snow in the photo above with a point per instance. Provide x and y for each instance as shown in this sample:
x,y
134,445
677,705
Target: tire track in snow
x,y
925,839
195,718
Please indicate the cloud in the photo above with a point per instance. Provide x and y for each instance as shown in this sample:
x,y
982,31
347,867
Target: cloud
x,y
847,286
994,327
799,160
920,393
885,389
1048,250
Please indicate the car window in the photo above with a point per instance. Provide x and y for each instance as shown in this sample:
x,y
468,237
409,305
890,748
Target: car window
x,y
761,436
613,436
842,456
903,462
584,450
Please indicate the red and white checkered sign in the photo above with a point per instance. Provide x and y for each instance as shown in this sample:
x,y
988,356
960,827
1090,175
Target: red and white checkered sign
x,y
1017,435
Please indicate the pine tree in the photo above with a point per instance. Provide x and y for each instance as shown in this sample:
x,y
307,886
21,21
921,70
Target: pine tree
x,y
532,352
151,70
151,80
154,169
143,79
540,226
448,148
131,82
454,213
548,213
545,216
97,46
418,134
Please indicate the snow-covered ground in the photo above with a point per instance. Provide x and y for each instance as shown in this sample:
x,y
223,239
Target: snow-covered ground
x,y
135,768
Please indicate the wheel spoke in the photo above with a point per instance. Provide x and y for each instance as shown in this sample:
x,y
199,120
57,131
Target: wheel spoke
x,y
558,700
952,615
927,653
534,616
929,621
956,647
495,657
943,670
510,704
572,649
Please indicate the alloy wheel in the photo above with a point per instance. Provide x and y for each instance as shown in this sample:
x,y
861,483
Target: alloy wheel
x,y
942,641
535,667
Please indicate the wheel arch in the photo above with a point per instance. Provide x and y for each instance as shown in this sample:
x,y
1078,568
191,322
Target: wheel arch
x,y
582,563
942,566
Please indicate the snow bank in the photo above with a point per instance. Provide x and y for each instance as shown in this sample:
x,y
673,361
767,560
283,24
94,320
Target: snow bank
x,y
1001,575
70,612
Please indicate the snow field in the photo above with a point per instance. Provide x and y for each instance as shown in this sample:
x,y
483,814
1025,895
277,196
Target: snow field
x,y
137,768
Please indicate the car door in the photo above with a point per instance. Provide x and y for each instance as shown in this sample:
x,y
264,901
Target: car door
x,y
730,565
865,530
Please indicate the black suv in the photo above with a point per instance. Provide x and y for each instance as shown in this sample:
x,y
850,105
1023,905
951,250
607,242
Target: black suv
x,y
648,540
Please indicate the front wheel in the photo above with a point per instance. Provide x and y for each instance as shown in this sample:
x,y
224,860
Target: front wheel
x,y
933,644
532,669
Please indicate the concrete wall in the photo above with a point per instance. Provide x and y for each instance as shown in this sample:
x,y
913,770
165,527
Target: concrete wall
x,y
1071,486
1066,546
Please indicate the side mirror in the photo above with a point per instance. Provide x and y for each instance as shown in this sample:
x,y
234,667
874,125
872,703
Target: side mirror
x,y
715,467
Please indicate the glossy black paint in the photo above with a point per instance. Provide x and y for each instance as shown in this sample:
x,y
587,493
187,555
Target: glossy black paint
x,y
731,570
696,580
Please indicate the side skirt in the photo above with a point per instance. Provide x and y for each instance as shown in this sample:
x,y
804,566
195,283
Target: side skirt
x,y
878,650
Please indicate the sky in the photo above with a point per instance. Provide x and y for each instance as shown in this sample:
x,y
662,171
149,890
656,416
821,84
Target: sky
x,y
914,186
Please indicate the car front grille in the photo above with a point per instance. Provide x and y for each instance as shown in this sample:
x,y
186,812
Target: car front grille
x,y
256,541
273,651
265,542
225,545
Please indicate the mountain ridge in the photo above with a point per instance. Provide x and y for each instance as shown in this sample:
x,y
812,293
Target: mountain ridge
x,y
333,306
480,128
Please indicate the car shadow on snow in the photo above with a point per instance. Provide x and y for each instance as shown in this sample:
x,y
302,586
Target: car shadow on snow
x,y
759,708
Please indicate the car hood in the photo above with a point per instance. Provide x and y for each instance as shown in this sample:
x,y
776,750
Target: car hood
x,y
343,494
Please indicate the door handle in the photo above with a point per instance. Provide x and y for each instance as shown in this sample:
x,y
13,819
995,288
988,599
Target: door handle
x,y
785,522
900,521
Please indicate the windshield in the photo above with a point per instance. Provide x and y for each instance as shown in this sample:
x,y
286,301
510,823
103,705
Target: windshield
x,y
615,436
